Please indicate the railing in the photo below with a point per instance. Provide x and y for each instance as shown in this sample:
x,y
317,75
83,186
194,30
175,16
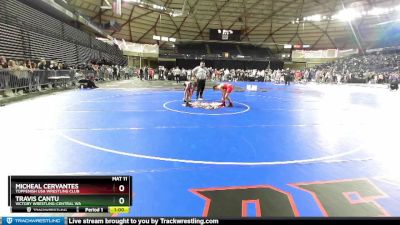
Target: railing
x,y
34,80
27,81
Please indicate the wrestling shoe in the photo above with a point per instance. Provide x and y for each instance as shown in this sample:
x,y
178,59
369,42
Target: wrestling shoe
x,y
230,105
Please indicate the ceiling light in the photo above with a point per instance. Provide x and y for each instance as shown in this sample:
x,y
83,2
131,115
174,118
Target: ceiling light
x,y
347,15
378,11
316,18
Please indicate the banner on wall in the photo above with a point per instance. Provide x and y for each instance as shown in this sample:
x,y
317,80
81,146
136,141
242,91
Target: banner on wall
x,y
134,48
322,54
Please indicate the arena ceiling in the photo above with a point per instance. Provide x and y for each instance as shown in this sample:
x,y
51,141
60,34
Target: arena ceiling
x,y
267,22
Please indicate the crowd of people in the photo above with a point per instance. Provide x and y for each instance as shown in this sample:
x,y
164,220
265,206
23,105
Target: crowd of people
x,y
378,67
34,75
21,75
181,74
374,68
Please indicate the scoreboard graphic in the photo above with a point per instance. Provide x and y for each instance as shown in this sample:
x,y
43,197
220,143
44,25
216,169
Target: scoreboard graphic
x,y
70,194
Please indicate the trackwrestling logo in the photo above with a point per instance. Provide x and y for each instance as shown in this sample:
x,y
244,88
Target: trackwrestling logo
x,y
33,220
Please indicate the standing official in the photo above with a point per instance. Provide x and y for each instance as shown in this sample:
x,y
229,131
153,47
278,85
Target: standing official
x,y
201,73
287,76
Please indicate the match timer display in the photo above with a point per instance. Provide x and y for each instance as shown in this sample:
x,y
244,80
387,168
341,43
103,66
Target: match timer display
x,y
90,194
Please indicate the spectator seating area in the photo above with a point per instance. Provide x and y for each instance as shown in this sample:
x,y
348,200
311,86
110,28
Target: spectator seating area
x,y
215,50
218,48
24,36
228,63
254,51
196,49
375,67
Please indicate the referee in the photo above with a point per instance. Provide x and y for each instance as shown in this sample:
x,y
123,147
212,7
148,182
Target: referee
x,y
201,73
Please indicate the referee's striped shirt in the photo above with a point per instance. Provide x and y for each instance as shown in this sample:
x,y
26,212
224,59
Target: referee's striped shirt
x,y
200,73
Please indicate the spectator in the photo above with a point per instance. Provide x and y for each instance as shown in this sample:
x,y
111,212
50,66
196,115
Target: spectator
x,y
3,62
4,79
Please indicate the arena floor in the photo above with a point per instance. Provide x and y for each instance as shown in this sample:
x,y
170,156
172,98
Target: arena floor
x,y
300,150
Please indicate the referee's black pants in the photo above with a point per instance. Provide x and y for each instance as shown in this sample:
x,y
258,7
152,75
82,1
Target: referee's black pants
x,y
201,84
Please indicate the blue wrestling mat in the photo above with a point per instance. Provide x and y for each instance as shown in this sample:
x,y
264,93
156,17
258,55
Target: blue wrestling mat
x,y
301,150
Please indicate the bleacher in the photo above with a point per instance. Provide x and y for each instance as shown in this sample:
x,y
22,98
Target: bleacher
x,y
250,50
76,35
11,41
219,48
32,18
195,49
24,35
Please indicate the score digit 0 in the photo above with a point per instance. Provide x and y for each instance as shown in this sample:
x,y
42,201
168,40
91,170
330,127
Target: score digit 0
x,y
121,188
121,201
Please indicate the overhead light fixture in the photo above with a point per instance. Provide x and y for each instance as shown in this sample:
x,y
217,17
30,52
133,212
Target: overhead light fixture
x,y
378,11
316,18
347,15
158,7
287,46
107,6
176,13
162,38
